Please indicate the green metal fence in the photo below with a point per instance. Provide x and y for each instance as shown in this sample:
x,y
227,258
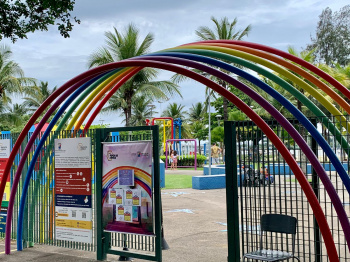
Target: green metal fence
x,y
39,216
284,195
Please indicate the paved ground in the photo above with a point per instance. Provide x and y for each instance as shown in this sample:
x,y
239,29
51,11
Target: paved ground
x,y
194,226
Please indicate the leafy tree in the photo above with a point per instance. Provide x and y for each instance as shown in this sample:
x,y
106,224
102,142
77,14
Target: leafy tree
x,y
332,37
197,112
266,115
123,46
175,110
344,73
199,131
18,18
237,115
307,55
217,134
223,29
340,73
140,107
12,78
117,103
141,111
3,123
36,95
98,126
14,118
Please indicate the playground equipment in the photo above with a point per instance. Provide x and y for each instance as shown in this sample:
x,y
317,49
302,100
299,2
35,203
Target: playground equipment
x,y
182,140
93,84
177,124
169,123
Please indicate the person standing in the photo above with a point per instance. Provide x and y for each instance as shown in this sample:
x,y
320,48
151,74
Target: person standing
x,y
171,159
215,151
175,159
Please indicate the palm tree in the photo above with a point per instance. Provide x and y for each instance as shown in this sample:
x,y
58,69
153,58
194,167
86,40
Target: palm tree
x,y
344,72
223,30
36,95
141,111
117,103
175,110
11,75
197,112
308,56
340,73
123,46
14,117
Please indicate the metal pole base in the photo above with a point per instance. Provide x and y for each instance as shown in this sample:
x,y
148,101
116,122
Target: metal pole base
x,y
165,245
123,258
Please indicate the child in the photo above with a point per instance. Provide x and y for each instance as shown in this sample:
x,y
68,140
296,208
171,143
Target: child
x,y
175,159
171,159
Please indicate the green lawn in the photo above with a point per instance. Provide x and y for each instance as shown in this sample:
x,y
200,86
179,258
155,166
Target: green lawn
x,y
189,168
295,180
178,181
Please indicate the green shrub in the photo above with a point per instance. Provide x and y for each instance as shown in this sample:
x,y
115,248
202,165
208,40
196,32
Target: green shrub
x,y
188,160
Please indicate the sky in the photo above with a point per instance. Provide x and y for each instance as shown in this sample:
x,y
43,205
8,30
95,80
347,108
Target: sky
x,y
47,56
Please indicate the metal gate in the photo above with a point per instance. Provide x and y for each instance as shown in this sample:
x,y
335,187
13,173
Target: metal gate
x,y
39,219
253,155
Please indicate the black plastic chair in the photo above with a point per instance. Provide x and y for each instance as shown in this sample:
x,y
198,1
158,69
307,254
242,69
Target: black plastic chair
x,y
281,225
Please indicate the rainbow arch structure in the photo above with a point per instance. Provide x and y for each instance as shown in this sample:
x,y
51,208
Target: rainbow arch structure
x,y
85,90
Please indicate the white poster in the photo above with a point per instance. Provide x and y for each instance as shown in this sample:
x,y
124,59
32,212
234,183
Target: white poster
x,y
127,187
73,203
5,150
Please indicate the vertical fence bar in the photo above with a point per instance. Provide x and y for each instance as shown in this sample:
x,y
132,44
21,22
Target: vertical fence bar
x,y
25,220
157,193
315,186
100,238
231,192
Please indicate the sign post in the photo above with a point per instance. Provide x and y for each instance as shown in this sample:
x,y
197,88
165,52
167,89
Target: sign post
x,y
128,191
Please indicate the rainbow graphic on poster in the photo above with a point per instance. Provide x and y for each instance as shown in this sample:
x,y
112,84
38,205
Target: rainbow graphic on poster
x,y
127,170
142,179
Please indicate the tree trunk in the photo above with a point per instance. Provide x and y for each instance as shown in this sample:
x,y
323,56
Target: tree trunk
x,y
225,103
126,116
128,109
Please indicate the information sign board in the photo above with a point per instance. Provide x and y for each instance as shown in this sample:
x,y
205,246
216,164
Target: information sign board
x,y
5,150
73,203
127,187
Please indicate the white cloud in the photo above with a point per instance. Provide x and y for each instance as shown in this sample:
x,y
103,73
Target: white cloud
x,y
50,57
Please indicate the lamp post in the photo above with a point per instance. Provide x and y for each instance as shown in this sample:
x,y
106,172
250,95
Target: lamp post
x,y
209,139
